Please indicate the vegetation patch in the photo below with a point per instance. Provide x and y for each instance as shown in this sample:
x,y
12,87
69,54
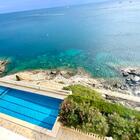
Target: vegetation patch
x,y
86,110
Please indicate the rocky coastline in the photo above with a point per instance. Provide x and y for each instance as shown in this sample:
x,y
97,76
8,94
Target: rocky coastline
x,y
64,77
59,78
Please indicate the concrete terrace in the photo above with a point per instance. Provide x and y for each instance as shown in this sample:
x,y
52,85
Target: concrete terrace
x,y
42,90
56,93
6,134
119,95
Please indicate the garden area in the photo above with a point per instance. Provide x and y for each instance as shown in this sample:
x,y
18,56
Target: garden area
x,y
88,111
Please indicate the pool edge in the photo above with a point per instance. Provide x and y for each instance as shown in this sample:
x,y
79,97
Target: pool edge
x,y
54,93
51,133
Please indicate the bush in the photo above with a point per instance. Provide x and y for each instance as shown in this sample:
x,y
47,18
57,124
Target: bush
x,y
119,127
82,117
123,129
86,95
135,130
82,91
96,123
87,110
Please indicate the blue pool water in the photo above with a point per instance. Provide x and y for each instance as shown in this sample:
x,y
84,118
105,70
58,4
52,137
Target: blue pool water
x,y
33,108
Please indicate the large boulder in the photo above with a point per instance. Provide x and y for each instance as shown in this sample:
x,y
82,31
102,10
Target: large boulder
x,y
136,79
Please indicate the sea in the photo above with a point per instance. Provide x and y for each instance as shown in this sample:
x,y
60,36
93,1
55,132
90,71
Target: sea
x,y
99,38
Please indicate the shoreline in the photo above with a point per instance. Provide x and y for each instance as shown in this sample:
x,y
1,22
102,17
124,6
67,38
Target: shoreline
x,y
64,77
127,83
60,78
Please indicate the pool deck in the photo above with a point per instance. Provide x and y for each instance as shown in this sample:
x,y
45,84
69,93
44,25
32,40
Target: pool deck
x,y
55,93
42,90
63,133
51,133
6,134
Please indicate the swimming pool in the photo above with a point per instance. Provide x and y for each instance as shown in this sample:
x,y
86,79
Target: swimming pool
x,y
30,107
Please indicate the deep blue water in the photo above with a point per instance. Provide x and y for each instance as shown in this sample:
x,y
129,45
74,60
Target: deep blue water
x,y
99,38
33,108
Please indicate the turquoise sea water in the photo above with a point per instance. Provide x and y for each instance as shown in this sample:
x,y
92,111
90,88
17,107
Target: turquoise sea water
x,y
98,38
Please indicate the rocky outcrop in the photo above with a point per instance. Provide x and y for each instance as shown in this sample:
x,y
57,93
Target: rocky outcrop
x,y
60,76
131,76
132,79
128,83
3,64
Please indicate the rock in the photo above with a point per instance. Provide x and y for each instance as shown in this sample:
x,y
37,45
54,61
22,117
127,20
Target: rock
x,y
18,78
53,72
131,76
93,85
128,79
136,79
66,74
125,74
3,64
137,93
132,72
117,85
63,72
122,88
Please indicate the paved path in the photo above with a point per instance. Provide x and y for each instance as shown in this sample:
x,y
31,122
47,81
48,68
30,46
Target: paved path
x,y
119,95
6,134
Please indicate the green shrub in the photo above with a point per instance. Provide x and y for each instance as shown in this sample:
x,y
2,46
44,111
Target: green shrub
x,y
86,110
83,117
83,91
135,130
106,107
96,123
119,127
123,129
